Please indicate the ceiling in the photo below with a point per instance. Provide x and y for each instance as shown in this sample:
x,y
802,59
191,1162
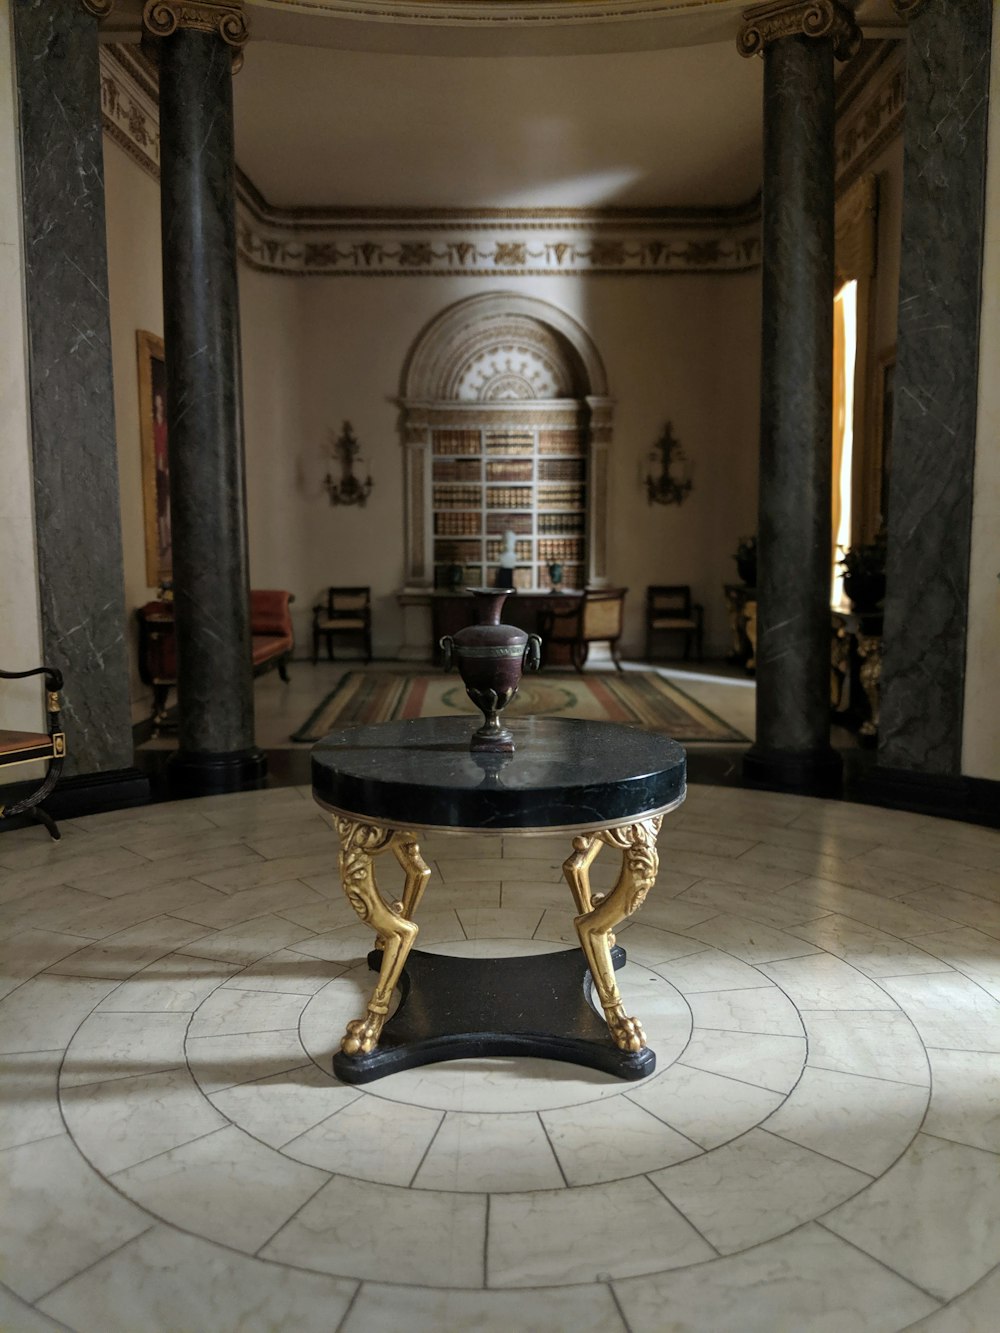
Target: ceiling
x,y
317,126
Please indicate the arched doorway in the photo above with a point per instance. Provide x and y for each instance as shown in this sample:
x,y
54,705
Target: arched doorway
x,y
506,425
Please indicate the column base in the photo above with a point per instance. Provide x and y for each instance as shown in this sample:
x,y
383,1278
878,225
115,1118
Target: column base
x,y
196,773
807,772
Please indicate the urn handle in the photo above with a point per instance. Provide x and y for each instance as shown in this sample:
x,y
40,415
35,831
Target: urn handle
x,y
532,653
446,645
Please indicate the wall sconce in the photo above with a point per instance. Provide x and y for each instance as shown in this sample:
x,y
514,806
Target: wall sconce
x,y
673,484
348,490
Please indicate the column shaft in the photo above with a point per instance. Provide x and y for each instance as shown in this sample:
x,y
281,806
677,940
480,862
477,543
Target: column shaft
x,y
793,646
204,394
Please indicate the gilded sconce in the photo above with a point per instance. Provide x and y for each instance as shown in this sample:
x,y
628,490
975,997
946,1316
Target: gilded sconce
x,y
671,483
348,490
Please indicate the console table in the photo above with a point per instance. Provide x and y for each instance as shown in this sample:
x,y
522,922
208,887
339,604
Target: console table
x,y
600,783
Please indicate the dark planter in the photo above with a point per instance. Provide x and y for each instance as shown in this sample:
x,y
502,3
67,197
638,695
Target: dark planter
x,y
865,590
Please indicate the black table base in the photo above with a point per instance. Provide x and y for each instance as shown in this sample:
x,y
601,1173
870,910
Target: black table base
x,y
468,1008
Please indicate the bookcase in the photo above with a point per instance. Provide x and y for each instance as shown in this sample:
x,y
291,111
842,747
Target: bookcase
x,y
527,479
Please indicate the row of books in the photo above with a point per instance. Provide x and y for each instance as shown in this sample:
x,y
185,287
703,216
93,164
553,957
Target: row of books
x,y
561,523
560,548
558,495
510,497
560,469
511,469
458,523
457,469
456,442
457,497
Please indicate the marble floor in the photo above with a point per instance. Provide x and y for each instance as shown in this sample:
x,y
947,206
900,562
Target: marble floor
x,y
818,1149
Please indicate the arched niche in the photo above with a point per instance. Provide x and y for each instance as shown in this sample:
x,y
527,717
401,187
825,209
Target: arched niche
x,y
495,363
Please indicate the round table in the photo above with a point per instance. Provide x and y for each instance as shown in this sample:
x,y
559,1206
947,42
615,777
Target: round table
x,y
601,783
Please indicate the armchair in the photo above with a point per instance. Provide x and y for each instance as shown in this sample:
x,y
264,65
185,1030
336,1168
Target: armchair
x,y
597,618
30,747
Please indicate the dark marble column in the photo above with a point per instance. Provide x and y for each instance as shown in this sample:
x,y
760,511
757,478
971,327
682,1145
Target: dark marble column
x,y
792,749
71,404
934,435
204,394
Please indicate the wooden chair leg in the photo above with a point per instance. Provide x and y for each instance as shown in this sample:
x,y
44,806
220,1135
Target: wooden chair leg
x,y
46,820
616,656
283,668
315,646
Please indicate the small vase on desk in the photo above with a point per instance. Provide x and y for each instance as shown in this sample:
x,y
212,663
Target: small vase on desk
x,y
491,658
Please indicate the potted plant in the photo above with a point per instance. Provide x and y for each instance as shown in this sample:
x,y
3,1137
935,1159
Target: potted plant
x,y
864,574
746,561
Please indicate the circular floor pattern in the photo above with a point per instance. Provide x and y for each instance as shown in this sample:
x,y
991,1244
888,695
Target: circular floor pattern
x,y
174,1132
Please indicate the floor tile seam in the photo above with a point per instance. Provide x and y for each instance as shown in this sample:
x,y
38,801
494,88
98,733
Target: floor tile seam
x,y
28,1143
839,1161
552,1148
247,1082
958,1050
744,1082
877,1078
958,1143
792,1036
256,1254
243,1032
324,1120
87,1268
109,1176
700,1149
342,1322
886,1266
992,1272
716,1252
264,990
425,1153
117,1078
626,1326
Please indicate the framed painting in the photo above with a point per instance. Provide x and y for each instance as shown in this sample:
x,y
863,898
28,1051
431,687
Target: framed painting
x,y
155,457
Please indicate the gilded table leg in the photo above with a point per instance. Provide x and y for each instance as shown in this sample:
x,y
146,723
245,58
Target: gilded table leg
x,y
359,845
601,914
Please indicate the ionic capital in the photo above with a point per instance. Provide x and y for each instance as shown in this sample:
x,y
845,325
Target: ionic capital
x,y
908,9
160,18
99,8
769,23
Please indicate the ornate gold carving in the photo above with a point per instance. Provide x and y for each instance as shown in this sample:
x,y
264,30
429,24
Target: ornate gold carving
x,y
600,914
99,8
225,17
52,703
395,930
870,652
769,23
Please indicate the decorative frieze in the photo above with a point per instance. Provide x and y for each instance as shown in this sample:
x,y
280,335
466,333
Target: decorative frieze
x,y
577,242
870,114
769,23
128,106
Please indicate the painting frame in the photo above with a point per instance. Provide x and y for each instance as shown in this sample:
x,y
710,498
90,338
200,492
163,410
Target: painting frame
x,y
885,411
153,435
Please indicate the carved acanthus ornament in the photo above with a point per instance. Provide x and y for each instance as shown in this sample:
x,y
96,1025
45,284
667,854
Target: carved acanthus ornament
x,y
160,18
769,23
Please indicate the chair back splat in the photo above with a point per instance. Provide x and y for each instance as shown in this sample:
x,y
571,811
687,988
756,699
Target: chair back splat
x,y
669,609
345,612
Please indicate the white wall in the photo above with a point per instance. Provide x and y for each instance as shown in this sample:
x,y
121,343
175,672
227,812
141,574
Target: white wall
x,y
319,350
981,733
20,630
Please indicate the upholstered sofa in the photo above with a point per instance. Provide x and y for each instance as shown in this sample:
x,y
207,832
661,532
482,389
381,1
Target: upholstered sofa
x,y
271,645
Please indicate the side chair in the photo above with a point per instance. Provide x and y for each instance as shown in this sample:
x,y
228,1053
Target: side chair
x,y
346,611
35,747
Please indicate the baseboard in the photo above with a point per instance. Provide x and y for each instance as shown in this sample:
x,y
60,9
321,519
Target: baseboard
x,y
82,794
142,731
944,795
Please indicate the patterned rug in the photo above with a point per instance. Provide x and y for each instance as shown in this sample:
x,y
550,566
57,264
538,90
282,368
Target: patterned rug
x,y
641,698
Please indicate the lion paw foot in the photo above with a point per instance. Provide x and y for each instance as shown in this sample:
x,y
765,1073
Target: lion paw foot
x,y
362,1035
627,1033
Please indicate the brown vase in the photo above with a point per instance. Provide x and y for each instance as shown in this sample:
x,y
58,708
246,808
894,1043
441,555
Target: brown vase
x,y
491,659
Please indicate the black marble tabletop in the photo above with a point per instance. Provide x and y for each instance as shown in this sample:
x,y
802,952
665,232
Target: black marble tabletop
x,y
564,773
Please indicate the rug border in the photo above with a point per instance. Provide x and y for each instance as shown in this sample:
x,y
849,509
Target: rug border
x,y
736,738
